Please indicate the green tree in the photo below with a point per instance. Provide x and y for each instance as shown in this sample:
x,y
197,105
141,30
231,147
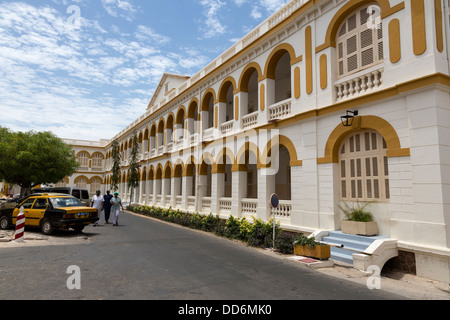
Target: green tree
x,y
32,158
117,158
133,171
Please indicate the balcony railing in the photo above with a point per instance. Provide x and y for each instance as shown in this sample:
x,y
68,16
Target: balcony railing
x,y
359,83
250,120
280,110
227,127
249,206
208,134
178,201
284,209
206,204
191,203
225,205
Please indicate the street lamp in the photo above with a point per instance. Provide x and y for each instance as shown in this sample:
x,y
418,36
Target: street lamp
x,y
347,120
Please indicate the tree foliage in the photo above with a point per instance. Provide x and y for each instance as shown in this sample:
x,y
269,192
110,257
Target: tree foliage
x,y
116,157
133,171
31,158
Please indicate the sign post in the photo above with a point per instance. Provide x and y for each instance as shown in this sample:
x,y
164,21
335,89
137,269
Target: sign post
x,y
274,202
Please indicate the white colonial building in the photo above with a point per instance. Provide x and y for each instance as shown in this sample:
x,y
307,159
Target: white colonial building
x,y
265,117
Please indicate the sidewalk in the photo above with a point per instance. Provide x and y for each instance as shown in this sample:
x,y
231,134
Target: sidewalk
x,y
407,285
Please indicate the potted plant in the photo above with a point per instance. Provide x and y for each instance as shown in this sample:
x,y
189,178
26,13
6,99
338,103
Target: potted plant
x,y
358,221
309,247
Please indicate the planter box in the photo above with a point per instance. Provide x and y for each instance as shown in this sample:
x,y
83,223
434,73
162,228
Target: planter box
x,y
360,228
318,252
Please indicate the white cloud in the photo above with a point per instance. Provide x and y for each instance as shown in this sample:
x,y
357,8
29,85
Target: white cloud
x,y
120,8
71,80
213,26
269,6
145,33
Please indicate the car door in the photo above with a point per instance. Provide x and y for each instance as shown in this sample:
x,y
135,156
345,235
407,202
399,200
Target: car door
x,y
27,205
37,212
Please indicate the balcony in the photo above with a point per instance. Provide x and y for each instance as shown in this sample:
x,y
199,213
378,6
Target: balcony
x,y
227,127
206,204
280,110
249,207
283,211
359,83
208,134
250,120
225,205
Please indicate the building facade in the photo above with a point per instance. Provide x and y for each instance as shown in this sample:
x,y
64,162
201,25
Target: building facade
x,y
265,117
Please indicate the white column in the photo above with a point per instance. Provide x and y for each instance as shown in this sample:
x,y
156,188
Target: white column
x,y
266,187
238,191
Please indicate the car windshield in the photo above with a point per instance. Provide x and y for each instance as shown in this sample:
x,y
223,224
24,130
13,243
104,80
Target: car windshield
x,y
65,202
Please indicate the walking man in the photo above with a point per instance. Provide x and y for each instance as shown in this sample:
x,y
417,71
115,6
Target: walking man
x,y
97,202
116,203
107,205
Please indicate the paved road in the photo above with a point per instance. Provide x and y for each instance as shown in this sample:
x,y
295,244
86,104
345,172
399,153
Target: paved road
x,y
147,259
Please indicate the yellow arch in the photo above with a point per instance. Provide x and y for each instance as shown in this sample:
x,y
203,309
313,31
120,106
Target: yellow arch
x,y
346,10
178,120
168,174
245,76
205,105
96,177
250,147
286,142
191,109
378,124
222,97
275,55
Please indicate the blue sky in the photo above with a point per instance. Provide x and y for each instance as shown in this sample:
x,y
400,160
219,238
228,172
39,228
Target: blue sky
x,y
85,69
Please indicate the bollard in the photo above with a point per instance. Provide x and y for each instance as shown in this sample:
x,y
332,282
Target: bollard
x,y
20,226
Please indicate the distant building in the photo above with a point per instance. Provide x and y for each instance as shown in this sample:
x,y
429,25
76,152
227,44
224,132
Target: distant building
x,y
265,117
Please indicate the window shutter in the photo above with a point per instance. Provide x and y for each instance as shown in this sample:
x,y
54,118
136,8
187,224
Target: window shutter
x,y
358,45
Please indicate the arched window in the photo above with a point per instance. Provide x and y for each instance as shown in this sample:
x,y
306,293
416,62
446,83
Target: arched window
x,y
97,161
83,159
359,41
81,182
96,184
363,167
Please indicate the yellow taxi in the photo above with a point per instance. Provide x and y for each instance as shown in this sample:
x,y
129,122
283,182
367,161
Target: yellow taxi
x,y
55,211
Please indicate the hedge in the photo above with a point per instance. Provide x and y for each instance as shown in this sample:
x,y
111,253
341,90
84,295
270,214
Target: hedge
x,y
256,233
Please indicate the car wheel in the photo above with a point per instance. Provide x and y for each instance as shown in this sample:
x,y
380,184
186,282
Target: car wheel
x,y
46,227
78,229
4,223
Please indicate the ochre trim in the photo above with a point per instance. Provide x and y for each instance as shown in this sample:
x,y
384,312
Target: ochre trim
x,y
297,88
191,109
262,97
205,105
236,108
395,52
323,72
418,27
378,124
274,57
346,10
308,58
439,25
222,96
246,74
282,140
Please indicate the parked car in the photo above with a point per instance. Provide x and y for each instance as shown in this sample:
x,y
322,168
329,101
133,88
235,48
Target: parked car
x,y
50,212
79,193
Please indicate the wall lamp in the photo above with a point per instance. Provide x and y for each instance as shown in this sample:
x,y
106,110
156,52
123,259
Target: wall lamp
x,y
347,120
